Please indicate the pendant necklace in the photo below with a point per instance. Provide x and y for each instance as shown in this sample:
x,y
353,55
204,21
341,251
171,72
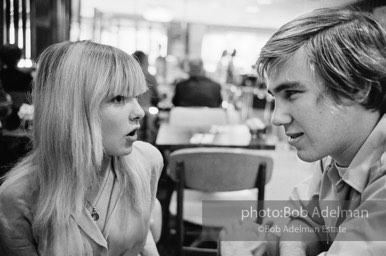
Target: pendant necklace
x,y
94,213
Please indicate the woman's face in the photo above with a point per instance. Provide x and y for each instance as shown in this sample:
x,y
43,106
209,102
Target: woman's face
x,y
120,117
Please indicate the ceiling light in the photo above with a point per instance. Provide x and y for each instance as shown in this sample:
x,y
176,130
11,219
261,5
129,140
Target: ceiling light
x,y
158,14
251,9
264,2
215,5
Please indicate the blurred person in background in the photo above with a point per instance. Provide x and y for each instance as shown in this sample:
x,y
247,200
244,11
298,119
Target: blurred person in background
x,y
15,82
5,105
11,149
326,70
151,97
197,90
147,100
160,67
87,187
230,71
222,67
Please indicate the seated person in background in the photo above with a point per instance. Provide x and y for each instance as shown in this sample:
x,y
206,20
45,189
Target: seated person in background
x,y
198,90
5,105
10,148
87,187
327,72
15,82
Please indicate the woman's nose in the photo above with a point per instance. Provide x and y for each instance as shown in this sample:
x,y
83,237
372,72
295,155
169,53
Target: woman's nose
x,y
137,111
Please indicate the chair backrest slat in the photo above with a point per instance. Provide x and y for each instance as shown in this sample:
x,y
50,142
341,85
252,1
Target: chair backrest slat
x,y
220,169
197,116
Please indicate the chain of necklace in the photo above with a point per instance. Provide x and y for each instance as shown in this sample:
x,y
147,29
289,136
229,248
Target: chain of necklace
x,y
94,212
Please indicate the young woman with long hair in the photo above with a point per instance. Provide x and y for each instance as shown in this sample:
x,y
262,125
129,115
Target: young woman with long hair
x,y
87,187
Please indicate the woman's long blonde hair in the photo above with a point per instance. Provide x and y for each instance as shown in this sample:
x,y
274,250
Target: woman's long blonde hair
x,y
72,80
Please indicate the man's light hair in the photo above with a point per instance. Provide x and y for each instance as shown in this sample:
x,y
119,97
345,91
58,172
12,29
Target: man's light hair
x,y
346,47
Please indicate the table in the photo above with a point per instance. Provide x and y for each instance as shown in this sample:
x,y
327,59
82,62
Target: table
x,y
173,137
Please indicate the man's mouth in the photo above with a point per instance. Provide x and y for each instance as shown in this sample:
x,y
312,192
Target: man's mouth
x,y
293,136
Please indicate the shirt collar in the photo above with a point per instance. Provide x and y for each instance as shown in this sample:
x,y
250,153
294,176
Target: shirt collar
x,y
366,161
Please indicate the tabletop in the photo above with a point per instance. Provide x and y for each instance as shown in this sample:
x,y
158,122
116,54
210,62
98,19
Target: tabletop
x,y
173,137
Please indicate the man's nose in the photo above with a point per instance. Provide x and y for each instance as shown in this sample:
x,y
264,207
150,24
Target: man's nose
x,y
281,115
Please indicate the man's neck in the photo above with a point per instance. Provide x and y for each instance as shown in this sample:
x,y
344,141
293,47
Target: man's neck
x,y
365,126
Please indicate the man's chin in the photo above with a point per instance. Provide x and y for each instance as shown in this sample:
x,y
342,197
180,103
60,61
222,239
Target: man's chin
x,y
307,156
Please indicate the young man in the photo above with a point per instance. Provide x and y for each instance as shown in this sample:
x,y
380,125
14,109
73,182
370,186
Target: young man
x,y
327,72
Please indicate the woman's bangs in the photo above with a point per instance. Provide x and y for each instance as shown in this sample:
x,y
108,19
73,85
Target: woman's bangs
x,y
128,79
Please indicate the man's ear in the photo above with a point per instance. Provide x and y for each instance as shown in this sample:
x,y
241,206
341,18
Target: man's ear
x,y
361,96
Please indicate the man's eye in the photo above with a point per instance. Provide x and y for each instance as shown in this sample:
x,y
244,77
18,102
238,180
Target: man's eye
x,y
119,99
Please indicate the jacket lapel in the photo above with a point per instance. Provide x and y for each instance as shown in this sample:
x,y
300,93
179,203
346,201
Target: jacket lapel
x,y
89,227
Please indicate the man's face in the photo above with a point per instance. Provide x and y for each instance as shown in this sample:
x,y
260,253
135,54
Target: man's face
x,y
314,123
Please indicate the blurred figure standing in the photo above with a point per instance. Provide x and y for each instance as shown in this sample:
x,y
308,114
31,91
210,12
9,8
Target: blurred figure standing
x,y
151,97
222,67
15,82
198,90
160,66
148,99
230,72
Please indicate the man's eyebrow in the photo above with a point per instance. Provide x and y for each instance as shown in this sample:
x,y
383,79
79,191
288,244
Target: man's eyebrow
x,y
285,86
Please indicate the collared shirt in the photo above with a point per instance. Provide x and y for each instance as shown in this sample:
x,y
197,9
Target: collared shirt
x,y
119,237
359,198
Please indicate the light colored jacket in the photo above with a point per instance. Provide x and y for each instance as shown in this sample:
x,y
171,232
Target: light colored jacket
x,y
17,202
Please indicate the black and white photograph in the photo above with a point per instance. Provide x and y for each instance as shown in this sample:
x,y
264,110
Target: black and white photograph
x,y
193,128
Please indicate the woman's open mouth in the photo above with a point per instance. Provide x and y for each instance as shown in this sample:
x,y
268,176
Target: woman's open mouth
x,y
133,133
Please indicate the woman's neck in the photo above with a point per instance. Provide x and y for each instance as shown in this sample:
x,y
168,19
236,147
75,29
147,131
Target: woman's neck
x,y
106,163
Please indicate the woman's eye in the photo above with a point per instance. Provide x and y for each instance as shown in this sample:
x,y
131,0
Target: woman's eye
x,y
119,99
289,94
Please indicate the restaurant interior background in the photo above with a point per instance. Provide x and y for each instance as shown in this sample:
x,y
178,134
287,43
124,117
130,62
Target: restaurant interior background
x,y
171,32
